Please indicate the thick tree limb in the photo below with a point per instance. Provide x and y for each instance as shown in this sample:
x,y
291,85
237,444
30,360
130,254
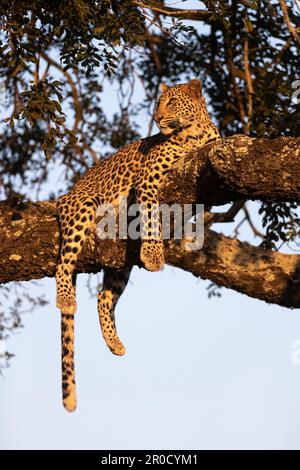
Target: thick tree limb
x,y
231,169
238,167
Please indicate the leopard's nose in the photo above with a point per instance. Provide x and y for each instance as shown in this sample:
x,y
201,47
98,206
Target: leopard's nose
x,y
175,124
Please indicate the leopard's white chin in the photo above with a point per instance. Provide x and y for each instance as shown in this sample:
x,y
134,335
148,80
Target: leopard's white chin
x,y
166,130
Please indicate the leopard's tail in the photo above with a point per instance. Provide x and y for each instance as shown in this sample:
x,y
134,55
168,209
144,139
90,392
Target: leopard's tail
x,y
67,361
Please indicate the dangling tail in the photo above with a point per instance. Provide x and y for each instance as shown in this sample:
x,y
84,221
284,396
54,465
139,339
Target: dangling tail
x,y
67,361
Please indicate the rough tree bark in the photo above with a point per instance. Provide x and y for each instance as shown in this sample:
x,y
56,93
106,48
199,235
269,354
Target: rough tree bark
x,y
234,168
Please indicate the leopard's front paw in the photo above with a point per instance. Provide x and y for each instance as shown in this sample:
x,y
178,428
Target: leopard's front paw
x,y
152,255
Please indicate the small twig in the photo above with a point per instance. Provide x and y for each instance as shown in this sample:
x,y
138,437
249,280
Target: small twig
x,y
255,231
180,13
232,72
284,48
293,31
249,83
36,73
155,20
46,71
156,58
297,4
78,148
224,217
236,230
212,218
84,145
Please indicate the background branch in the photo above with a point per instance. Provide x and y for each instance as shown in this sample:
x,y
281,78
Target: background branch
x,y
177,13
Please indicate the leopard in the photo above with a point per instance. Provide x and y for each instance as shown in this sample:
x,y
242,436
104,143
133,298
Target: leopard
x,y
138,168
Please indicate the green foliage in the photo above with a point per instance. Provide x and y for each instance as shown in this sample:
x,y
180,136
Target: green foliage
x,y
282,223
58,59
83,40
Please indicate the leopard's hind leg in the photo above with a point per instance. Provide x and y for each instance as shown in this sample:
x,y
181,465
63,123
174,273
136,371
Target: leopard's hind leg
x,y
114,283
76,217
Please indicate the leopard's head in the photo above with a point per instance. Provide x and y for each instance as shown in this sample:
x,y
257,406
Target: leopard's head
x,y
179,106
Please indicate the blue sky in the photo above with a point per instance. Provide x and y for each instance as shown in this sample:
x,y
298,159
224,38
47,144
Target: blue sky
x,y
198,373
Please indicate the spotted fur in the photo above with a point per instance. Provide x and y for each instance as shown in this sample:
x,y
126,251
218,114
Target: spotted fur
x,y
141,166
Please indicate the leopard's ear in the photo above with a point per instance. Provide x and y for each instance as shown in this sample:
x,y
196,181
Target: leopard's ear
x,y
194,88
163,87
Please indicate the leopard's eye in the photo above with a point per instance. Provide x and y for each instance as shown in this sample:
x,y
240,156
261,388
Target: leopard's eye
x,y
172,101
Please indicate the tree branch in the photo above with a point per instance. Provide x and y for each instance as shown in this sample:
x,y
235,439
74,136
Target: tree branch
x,y
177,13
262,274
293,31
228,170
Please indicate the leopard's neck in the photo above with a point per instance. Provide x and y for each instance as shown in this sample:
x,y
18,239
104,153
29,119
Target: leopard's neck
x,y
200,132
